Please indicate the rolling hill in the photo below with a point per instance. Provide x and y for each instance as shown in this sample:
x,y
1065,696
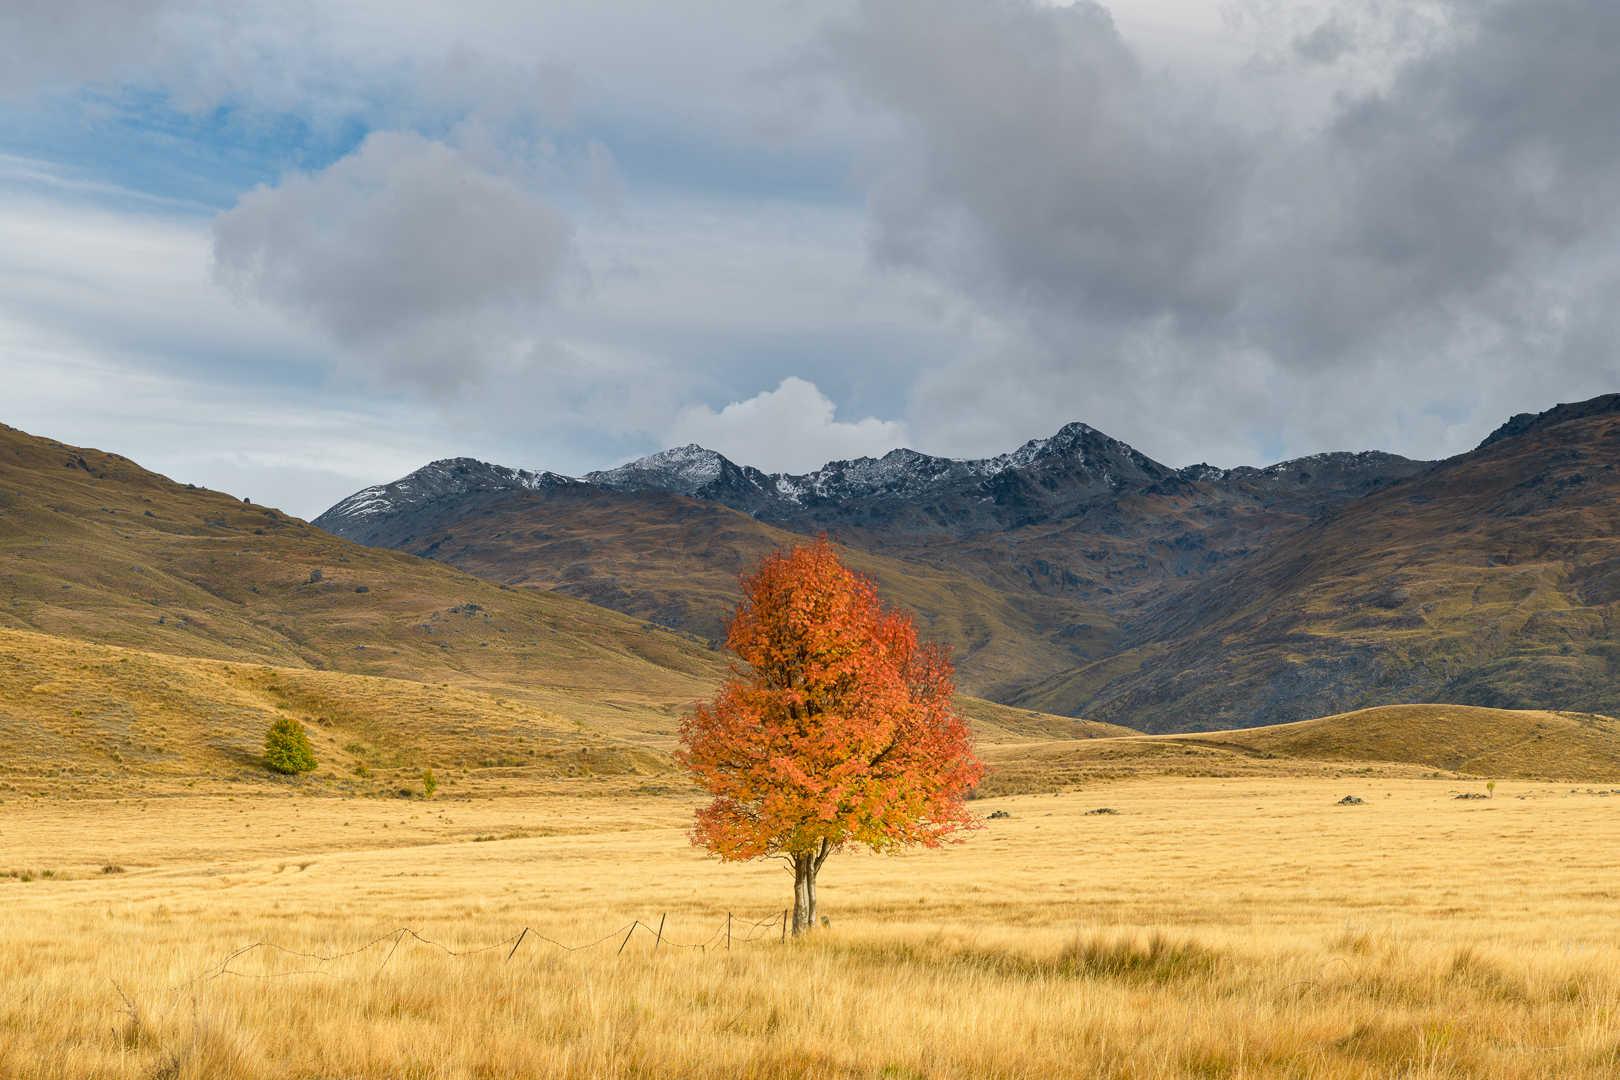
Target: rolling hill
x,y
80,718
1446,742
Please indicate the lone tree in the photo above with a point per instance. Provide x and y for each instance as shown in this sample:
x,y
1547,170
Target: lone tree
x,y
287,748
835,729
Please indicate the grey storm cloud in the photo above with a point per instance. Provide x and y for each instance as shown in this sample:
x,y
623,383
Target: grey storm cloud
x,y
62,42
1462,212
412,258
1046,165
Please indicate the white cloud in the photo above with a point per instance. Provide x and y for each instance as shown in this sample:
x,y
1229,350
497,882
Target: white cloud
x,y
419,264
789,429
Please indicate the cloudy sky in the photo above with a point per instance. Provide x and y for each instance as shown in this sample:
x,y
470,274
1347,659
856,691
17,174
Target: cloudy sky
x,y
290,248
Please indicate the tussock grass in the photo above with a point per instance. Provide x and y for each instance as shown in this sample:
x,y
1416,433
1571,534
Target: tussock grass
x,y
1192,935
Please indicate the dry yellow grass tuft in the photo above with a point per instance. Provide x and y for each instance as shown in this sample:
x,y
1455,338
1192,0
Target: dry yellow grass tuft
x,y
1208,928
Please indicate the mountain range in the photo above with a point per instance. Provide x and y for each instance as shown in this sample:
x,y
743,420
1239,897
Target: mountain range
x,y
1078,576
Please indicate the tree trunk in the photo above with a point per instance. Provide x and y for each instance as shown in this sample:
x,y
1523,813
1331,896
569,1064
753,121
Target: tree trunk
x,y
802,872
806,865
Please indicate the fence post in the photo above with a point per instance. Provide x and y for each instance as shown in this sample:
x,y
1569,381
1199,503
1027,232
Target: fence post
x,y
660,940
519,942
784,925
627,934
728,931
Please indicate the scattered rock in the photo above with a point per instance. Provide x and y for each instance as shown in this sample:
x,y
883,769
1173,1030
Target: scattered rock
x,y
362,588
1100,810
314,576
1349,800
1472,795
150,514
998,814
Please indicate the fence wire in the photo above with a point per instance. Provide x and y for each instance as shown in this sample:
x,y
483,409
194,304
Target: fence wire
x,y
732,931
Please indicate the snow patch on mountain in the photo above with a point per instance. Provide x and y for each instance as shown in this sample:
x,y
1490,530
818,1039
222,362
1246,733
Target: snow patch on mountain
x,y
683,470
446,477
1035,481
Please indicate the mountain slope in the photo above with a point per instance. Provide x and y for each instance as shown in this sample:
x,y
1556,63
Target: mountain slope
x,y
92,547
98,718
1491,579
1027,563
675,561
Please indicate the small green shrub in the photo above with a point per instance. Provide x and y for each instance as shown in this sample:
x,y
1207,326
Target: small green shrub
x,y
429,783
287,748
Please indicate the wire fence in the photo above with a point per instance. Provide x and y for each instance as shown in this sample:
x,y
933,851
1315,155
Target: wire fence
x,y
142,1025
733,931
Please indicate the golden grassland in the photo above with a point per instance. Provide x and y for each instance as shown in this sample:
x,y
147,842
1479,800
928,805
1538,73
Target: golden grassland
x,y
79,720
1209,928
87,719
1454,741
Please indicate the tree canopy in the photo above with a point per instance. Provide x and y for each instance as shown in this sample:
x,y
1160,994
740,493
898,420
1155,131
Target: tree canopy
x,y
287,749
836,726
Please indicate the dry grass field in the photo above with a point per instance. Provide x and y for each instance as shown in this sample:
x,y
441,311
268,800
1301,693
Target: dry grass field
x,y
1439,741
1238,927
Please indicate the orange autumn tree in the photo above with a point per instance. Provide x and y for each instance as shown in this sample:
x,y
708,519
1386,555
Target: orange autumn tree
x,y
835,729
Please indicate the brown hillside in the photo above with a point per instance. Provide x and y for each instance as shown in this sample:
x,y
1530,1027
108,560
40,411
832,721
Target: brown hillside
x,y
675,561
1489,580
1445,741
94,548
171,625
1510,744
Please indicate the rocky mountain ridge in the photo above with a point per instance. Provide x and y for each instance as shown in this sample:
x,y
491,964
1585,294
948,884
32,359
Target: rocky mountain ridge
x,y
1041,481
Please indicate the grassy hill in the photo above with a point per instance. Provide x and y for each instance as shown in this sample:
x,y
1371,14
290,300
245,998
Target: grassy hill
x,y
1444,741
94,718
94,548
